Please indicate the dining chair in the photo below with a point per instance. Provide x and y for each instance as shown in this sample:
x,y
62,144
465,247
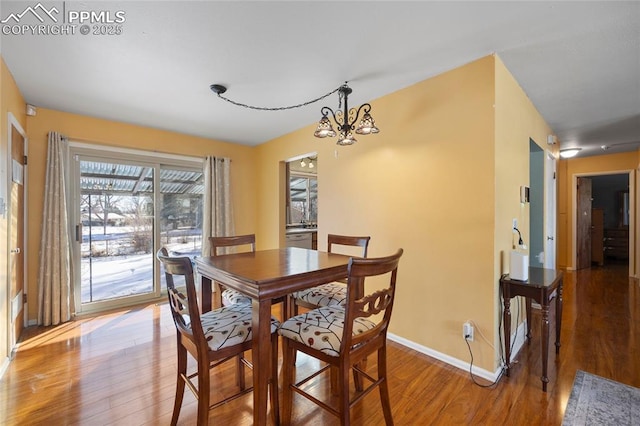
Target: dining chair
x,y
228,296
343,336
212,339
334,293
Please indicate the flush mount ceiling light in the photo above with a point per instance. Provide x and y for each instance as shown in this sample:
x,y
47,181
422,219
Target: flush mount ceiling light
x,y
569,152
344,118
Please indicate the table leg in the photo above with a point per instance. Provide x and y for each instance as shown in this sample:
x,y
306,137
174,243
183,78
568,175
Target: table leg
x,y
205,294
506,319
558,317
545,342
528,313
261,359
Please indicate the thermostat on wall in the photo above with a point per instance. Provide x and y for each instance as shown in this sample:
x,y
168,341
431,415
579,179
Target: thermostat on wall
x,y
524,194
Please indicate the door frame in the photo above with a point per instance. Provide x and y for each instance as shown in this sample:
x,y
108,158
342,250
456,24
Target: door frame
x,y
102,305
100,152
15,303
633,238
551,210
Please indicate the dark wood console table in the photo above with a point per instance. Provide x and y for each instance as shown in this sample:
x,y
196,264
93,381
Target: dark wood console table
x,y
542,286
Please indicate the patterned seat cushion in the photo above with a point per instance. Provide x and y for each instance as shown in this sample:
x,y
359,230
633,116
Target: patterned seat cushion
x,y
332,294
322,328
229,325
231,297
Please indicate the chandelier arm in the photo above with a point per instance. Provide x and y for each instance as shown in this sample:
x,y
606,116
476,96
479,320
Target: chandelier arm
x,y
365,107
325,110
279,108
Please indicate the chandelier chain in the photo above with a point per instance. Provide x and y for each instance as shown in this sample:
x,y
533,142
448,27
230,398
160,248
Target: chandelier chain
x,y
279,108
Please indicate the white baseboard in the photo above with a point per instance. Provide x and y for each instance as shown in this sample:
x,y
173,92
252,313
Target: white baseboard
x,y
485,374
517,339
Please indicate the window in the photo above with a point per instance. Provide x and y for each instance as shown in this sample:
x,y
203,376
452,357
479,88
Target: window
x,y
303,194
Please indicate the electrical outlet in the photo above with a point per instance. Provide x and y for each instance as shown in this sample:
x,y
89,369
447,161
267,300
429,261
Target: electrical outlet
x,y
467,331
515,223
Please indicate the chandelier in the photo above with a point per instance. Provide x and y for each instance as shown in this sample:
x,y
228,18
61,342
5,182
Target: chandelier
x,y
344,118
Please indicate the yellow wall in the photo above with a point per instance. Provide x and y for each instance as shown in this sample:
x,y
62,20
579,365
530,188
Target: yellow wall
x,y
599,164
517,121
10,101
428,182
78,127
441,181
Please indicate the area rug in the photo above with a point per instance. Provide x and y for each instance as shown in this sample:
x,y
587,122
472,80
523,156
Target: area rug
x,y
595,400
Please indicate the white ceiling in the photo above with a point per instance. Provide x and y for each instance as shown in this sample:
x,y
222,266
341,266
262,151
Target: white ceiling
x,y
579,62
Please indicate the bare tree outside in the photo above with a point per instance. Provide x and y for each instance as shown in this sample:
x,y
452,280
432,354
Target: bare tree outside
x,y
139,217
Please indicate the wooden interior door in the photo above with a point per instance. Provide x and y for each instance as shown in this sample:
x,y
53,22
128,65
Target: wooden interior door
x,y
16,234
583,228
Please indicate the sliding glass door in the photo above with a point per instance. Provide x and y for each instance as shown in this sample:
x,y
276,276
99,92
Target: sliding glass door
x,y
115,233
124,212
180,212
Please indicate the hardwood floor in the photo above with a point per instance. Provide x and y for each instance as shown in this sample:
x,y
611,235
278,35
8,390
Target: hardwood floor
x,y
119,369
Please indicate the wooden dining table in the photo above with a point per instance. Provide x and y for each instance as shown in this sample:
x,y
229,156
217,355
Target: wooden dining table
x,y
264,276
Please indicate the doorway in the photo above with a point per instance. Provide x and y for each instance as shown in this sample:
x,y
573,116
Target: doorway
x,y
301,201
610,224
536,205
17,235
603,220
542,207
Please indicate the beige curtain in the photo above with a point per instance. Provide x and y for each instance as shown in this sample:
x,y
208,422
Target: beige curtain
x,y
218,211
54,282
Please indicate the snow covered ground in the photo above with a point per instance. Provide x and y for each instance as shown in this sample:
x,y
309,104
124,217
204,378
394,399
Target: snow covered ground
x,y
119,271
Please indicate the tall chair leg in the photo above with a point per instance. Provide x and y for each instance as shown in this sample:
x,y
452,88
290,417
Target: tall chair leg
x,y
343,392
291,310
357,379
182,370
204,388
288,377
240,379
384,386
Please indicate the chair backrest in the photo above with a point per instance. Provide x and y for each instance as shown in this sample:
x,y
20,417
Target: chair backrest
x,y
346,240
239,240
375,303
184,309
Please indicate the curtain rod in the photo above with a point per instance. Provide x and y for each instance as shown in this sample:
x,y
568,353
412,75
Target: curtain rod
x,y
87,143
